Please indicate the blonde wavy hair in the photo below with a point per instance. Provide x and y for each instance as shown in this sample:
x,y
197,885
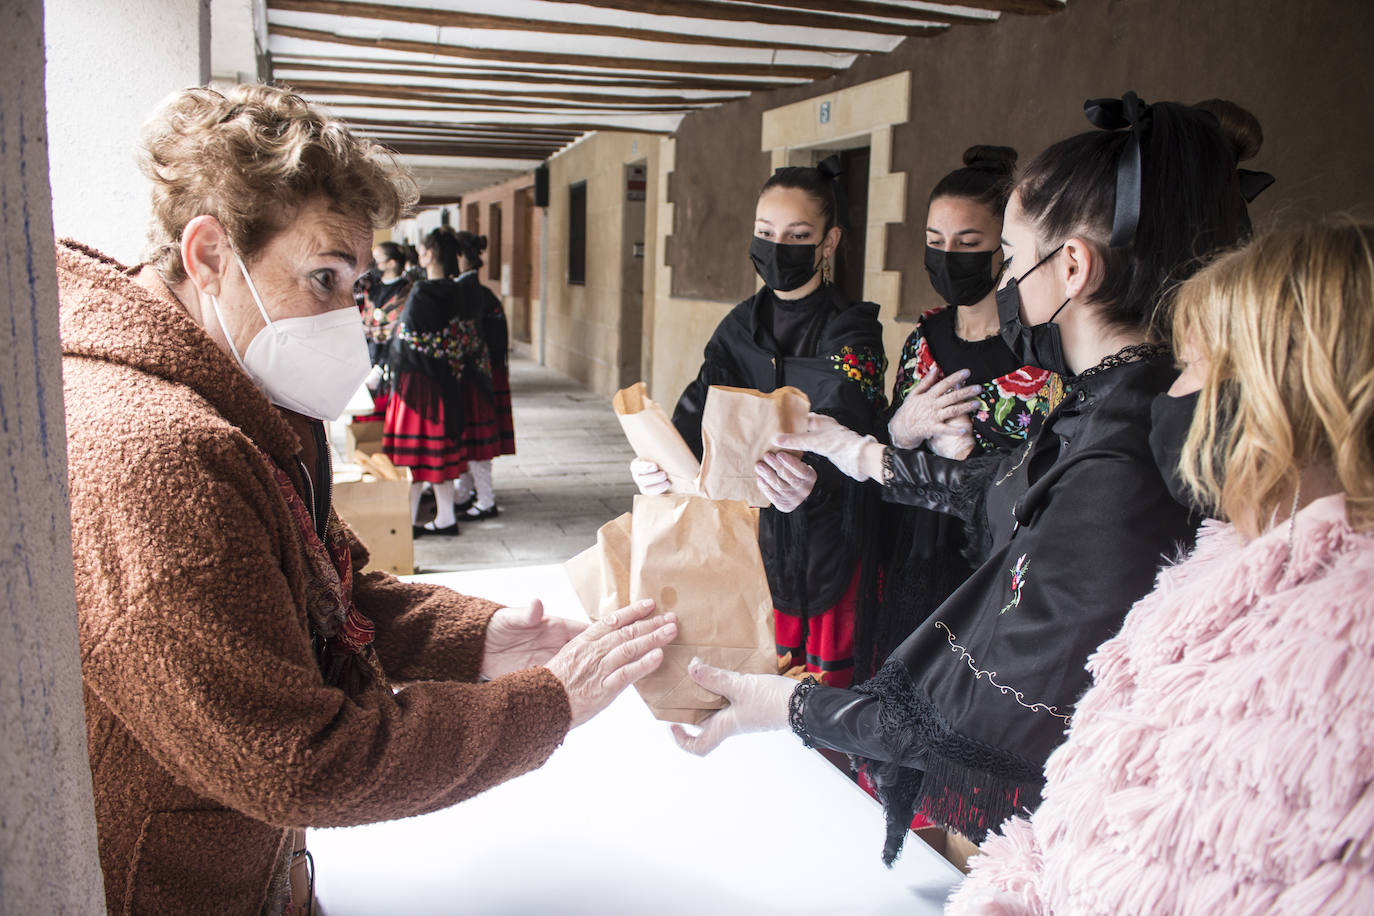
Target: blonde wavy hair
x,y
1287,327
251,157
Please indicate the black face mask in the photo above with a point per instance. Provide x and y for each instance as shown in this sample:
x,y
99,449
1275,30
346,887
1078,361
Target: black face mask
x,y
1170,419
961,277
783,267
1038,345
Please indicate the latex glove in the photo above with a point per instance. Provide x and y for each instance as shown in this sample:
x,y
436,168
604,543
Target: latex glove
x,y
785,479
374,378
758,703
649,477
931,407
856,456
520,638
957,444
610,655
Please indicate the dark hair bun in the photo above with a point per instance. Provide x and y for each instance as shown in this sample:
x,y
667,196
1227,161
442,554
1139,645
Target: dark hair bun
x,y
831,167
1000,160
1238,125
481,243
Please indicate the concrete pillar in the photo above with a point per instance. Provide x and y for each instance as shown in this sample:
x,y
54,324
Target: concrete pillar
x,y
109,65
48,859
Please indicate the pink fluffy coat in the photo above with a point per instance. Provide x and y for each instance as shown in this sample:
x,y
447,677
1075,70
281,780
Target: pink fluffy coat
x,y
1222,760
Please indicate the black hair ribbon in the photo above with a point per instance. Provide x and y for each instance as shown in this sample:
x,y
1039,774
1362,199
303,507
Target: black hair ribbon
x,y
1114,114
1252,183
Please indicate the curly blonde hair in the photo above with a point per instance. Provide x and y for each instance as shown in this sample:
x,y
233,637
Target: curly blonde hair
x,y
1287,325
251,157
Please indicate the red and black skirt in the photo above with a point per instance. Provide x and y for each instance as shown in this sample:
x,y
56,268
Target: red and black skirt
x,y
829,650
415,436
481,430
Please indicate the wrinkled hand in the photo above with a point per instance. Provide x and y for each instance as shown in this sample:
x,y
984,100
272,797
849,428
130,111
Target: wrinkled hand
x,y
649,477
520,638
957,444
933,408
610,655
785,479
856,456
758,703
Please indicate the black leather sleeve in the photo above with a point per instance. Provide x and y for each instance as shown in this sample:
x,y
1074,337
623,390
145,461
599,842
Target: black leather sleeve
x,y
916,477
847,721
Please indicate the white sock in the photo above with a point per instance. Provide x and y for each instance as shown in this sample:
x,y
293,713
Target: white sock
x,y
416,489
481,479
443,504
462,487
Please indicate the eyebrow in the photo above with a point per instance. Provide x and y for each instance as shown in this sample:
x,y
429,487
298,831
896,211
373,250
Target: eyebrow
x,y
960,232
809,225
1006,243
350,259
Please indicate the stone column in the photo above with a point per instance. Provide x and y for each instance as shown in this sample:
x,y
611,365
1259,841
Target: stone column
x,y
48,859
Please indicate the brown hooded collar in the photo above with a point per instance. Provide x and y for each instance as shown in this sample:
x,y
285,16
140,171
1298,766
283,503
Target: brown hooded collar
x,y
106,314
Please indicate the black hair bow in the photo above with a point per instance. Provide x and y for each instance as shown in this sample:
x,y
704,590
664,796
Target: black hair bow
x,y
1114,114
1252,184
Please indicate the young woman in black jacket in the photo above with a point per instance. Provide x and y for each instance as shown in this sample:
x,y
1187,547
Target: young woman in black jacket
x,y
799,330
958,722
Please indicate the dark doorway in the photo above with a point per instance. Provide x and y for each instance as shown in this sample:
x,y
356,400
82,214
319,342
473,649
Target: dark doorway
x,y
849,259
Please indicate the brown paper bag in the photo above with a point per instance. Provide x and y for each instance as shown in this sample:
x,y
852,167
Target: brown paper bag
x,y
600,575
737,427
699,558
654,438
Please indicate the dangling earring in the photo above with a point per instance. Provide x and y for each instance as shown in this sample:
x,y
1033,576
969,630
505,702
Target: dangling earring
x,y
827,272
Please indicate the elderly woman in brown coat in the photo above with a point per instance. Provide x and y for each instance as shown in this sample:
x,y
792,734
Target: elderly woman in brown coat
x,y
240,672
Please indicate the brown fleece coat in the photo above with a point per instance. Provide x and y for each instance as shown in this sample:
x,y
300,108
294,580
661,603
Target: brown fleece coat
x,y
211,730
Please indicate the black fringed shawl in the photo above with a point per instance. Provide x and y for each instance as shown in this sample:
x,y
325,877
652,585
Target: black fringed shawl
x,y
959,722
832,350
439,335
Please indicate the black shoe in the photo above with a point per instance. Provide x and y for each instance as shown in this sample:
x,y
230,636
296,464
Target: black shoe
x,y
475,514
428,528
466,504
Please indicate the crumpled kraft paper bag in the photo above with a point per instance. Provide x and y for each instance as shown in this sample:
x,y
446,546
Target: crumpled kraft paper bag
x,y
737,428
654,438
700,559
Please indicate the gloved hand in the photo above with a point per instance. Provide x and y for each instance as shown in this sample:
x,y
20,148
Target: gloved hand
x,y
933,408
758,703
374,378
859,457
649,477
958,443
785,479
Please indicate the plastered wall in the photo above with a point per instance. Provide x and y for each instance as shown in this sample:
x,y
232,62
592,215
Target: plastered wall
x,y
584,322
109,65
1021,82
520,253
48,859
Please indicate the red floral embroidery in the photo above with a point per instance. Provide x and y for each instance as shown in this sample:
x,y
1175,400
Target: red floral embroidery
x,y
1023,383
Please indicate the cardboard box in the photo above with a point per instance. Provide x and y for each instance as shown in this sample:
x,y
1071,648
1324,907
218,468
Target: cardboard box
x,y
363,437
378,511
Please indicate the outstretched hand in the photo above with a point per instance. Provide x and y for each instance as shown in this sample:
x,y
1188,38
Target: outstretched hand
x,y
610,655
758,703
522,637
856,456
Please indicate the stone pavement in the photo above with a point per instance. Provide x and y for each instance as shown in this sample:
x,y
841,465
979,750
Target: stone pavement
x,y
571,475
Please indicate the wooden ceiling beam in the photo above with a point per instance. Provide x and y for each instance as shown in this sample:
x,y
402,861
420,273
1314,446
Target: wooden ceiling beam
x,y
618,64
337,87
522,74
581,126
520,105
1019,7
464,20
478,150
782,14
867,8
531,132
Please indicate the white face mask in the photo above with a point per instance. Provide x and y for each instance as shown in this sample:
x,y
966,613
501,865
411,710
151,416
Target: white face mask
x,y
311,364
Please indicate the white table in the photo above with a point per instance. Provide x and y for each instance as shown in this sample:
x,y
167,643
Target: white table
x,y
619,820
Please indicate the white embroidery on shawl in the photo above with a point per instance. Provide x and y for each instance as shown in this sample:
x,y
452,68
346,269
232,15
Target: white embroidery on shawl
x,y
992,678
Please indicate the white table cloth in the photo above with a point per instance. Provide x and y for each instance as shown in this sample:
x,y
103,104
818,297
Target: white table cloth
x,y
619,820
